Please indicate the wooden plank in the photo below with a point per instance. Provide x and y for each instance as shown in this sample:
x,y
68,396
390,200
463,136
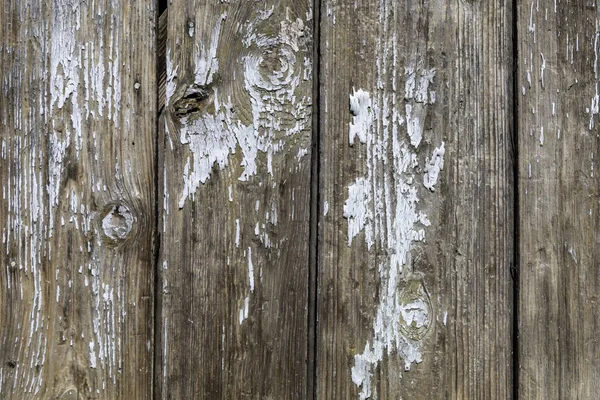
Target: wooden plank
x,y
78,121
235,180
416,236
559,317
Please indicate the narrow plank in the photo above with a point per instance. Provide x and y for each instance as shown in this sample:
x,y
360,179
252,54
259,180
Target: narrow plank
x,y
78,121
235,177
416,236
559,319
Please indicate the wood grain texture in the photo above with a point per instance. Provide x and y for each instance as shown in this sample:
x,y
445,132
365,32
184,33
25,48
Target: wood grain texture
x,y
415,291
559,317
236,138
78,121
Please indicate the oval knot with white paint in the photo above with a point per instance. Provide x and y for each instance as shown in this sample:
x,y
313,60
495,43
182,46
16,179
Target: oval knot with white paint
x,y
416,310
117,222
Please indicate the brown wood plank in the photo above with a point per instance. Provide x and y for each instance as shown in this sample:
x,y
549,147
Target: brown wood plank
x,y
235,178
78,122
559,319
415,292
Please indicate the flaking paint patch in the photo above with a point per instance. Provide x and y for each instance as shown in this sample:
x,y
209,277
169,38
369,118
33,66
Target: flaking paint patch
x,y
383,204
212,138
433,167
357,210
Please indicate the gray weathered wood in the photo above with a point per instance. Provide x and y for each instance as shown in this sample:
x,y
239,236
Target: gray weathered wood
x,y
78,118
559,319
235,180
414,282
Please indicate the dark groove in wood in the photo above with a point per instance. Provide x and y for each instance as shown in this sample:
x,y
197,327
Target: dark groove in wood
x,y
515,184
313,270
161,18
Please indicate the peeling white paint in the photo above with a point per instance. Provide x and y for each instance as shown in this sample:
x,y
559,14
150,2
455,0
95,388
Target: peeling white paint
x,y
433,167
383,204
357,210
360,106
212,138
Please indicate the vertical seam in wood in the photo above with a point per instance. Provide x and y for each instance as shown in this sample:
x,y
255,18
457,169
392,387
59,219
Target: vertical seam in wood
x,y
515,177
311,392
161,6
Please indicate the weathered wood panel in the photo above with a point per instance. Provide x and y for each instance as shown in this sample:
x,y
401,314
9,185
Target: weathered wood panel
x,y
77,115
234,259
559,319
416,236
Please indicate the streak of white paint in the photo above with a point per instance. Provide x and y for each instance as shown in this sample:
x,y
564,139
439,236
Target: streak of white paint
x,y
325,208
92,355
383,203
542,69
250,270
244,310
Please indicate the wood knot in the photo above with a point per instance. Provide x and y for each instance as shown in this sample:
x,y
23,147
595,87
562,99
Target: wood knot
x,y
11,363
70,394
197,99
117,222
415,309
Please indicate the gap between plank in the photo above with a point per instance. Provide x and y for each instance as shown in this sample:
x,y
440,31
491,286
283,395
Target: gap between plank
x,y
515,166
311,390
160,37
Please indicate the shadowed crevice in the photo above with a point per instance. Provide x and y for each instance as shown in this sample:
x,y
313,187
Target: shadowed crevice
x,y
311,390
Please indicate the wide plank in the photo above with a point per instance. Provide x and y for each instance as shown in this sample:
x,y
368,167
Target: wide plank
x,y
235,181
559,219
78,121
415,295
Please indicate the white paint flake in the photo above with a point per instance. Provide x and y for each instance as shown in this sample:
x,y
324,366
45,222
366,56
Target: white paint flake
x,y
357,209
433,167
360,107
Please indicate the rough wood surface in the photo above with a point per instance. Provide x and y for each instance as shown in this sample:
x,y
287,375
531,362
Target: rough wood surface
x,y
77,115
559,184
416,183
235,178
